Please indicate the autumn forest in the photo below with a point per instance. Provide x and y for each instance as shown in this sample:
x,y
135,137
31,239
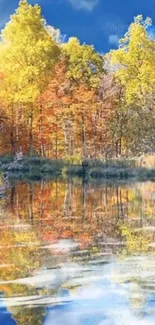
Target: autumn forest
x,y
77,169
64,100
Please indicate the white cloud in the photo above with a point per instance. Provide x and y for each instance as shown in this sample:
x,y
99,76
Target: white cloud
x,y
111,25
88,5
113,39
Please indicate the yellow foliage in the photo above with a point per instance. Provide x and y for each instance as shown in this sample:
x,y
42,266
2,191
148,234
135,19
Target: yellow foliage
x,y
135,61
27,54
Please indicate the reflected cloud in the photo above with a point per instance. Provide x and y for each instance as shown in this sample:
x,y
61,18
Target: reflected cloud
x,y
74,252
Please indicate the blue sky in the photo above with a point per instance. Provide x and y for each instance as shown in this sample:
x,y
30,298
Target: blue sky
x,y
97,22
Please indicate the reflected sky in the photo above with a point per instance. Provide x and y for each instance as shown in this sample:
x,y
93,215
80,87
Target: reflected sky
x,y
75,253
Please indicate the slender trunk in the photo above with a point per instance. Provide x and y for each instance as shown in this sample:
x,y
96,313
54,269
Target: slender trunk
x,y
12,140
83,138
116,148
72,145
56,141
17,128
65,136
120,146
56,146
95,135
67,127
40,131
31,140
42,148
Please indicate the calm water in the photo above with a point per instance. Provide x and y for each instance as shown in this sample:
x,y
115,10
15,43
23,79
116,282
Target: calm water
x,y
77,254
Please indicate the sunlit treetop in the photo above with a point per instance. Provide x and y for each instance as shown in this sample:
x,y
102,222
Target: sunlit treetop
x,y
84,63
27,52
140,24
135,60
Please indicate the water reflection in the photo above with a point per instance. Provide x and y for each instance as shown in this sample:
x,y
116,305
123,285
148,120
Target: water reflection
x,y
76,253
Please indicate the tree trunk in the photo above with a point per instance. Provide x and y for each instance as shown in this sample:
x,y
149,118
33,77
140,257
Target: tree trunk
x,y
67,127
83,138
12,139
17,128
42,146
31,140
56,141
116,148
120,146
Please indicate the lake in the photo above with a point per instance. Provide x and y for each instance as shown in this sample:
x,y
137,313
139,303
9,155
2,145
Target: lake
x,y
76,253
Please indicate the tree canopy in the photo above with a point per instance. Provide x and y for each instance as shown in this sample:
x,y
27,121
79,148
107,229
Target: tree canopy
x,y
63,99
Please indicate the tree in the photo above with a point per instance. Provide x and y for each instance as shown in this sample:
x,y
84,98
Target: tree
x,y
83,107
134,65
84,63
85,69
135,61
27,55
56,118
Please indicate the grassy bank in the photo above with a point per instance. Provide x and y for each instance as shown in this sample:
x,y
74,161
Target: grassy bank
x,y
39,167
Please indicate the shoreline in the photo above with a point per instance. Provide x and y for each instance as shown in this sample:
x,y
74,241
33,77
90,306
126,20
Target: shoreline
x,y
38,167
